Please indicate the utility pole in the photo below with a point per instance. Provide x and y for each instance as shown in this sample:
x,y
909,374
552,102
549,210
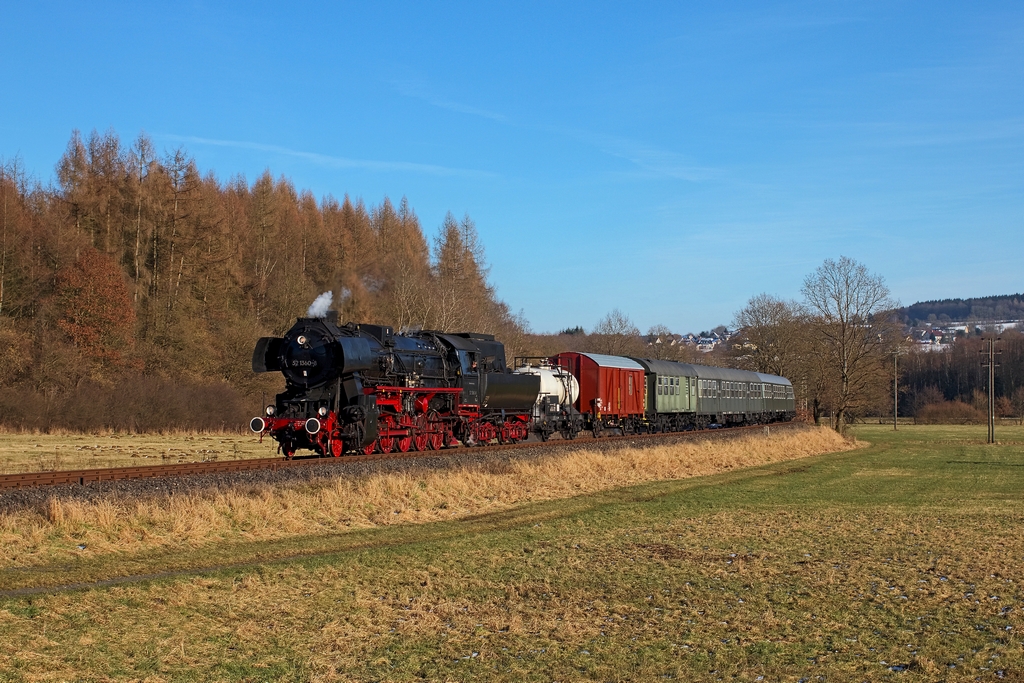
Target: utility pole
x,y
895,388
895,382
991,365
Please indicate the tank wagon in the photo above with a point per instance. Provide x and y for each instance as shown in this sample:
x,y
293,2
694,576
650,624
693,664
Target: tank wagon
x,y
556,407
364,388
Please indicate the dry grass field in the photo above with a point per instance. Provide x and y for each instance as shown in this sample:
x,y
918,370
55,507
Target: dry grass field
x,y
26,452
899,561
341,504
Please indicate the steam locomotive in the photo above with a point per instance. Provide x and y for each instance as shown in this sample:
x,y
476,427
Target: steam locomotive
x,y
364,388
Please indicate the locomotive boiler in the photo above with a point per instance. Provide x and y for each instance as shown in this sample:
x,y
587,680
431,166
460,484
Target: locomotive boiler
x,y
358,388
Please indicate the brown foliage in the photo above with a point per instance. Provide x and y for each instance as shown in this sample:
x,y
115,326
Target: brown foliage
x,y
94,307
138,261
950,412
146,404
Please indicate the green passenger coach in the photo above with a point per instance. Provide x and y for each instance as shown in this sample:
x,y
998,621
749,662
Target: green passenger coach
x,y
689,396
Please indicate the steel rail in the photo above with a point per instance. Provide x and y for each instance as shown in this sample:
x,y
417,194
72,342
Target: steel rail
x,y
83,477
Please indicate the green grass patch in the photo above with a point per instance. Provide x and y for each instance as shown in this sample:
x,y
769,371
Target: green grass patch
x,y
901,561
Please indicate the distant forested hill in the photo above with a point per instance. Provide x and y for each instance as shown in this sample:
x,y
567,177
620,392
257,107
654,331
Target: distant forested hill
x,y
1007,307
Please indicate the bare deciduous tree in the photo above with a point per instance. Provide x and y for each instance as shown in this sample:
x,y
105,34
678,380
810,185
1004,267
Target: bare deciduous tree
x,y
772,328
660,342
616,335
851,328
1017,402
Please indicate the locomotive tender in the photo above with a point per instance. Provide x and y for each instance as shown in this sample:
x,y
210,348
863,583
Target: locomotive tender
x,y
363,388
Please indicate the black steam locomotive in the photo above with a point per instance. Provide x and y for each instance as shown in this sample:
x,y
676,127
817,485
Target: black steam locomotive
x,y
363,388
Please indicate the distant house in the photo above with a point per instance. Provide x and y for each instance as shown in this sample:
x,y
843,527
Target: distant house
x,y
706,344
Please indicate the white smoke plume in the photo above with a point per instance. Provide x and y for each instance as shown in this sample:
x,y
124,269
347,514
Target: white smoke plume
x,y
318,309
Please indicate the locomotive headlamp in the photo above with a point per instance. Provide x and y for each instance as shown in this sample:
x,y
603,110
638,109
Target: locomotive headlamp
x,y
270,411
302,340
322,412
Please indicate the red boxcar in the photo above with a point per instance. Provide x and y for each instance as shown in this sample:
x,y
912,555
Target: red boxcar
x,y
611,386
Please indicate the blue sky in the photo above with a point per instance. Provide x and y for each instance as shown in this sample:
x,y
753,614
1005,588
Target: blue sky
x,y
667,159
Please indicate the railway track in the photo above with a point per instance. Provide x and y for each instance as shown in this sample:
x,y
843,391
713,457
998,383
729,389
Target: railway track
x,y
111,474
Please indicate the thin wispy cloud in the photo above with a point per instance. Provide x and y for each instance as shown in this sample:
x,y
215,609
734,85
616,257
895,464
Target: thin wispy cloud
x,y
771,21
648,158
924,135
334,161
419,91
653,160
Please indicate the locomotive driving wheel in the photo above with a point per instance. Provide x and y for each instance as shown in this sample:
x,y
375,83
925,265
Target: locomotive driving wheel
x,y
420,437
404,443
435,442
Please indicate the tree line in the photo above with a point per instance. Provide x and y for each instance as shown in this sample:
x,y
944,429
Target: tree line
x,y
1009,307
133,287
